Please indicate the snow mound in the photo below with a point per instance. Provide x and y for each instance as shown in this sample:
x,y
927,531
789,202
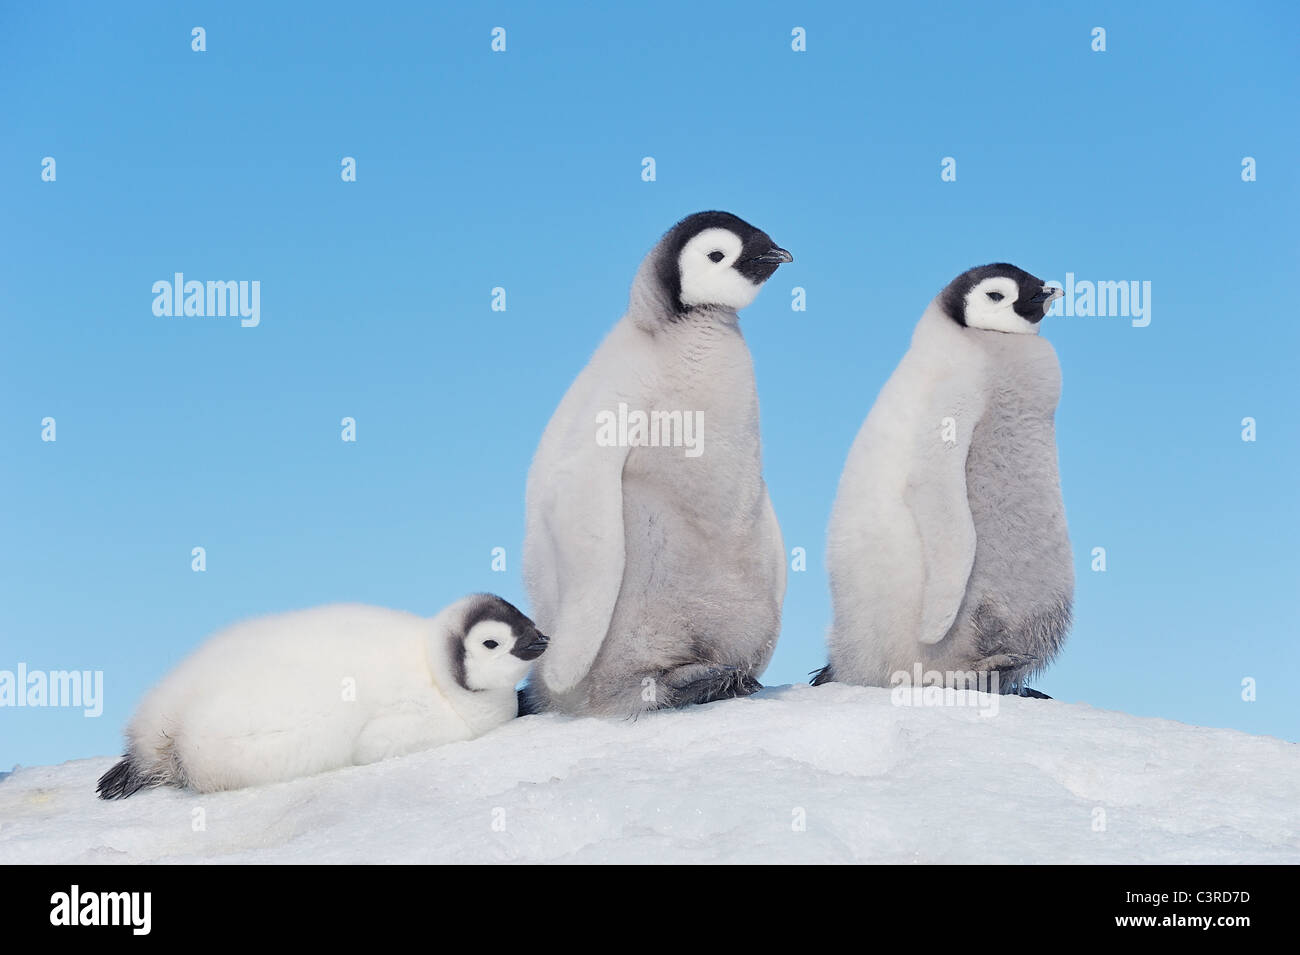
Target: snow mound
x,y
792,774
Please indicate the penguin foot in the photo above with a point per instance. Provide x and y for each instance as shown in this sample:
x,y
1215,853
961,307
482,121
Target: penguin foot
x,y
1009,668
527,706
824,675
1029,692
708,682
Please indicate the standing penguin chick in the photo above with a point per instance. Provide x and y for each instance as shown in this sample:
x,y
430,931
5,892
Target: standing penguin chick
x,y
299,693
948,545
652,554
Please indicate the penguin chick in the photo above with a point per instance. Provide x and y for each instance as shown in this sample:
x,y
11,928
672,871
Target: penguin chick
x,y
294,694
652,554
948,547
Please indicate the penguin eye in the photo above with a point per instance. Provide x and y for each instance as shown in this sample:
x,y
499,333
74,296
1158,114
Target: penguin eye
x,y
717,256
996,296
490,644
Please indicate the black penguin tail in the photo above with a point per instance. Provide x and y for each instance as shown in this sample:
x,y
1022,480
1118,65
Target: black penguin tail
x,y
124,779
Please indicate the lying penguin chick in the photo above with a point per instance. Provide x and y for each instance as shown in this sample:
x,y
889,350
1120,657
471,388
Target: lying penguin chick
x,y
293,694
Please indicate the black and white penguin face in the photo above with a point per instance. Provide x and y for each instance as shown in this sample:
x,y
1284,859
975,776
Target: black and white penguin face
x,y
498,647
716,260
1000,298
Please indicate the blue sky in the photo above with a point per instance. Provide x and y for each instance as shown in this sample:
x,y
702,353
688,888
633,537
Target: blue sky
x,y
522,170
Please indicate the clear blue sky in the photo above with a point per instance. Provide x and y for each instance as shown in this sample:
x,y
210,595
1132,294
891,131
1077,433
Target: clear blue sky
x,y
522,170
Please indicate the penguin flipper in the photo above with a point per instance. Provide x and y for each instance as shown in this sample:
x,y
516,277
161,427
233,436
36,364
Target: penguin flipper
x,y
576,551
937,500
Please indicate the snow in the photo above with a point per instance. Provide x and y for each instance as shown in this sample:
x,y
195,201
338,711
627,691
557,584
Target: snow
x,y
869,780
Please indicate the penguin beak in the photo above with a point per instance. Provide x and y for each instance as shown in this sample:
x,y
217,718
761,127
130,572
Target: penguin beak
x,y
1049,294
773,256
533,648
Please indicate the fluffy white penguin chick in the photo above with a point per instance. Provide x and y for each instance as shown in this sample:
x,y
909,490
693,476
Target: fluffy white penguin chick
x,y
293,694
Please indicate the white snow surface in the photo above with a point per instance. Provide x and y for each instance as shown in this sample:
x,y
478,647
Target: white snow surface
x,y
792,774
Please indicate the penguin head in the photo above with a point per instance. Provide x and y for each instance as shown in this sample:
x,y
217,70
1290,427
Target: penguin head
x,y
999,298
714,260
495,645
